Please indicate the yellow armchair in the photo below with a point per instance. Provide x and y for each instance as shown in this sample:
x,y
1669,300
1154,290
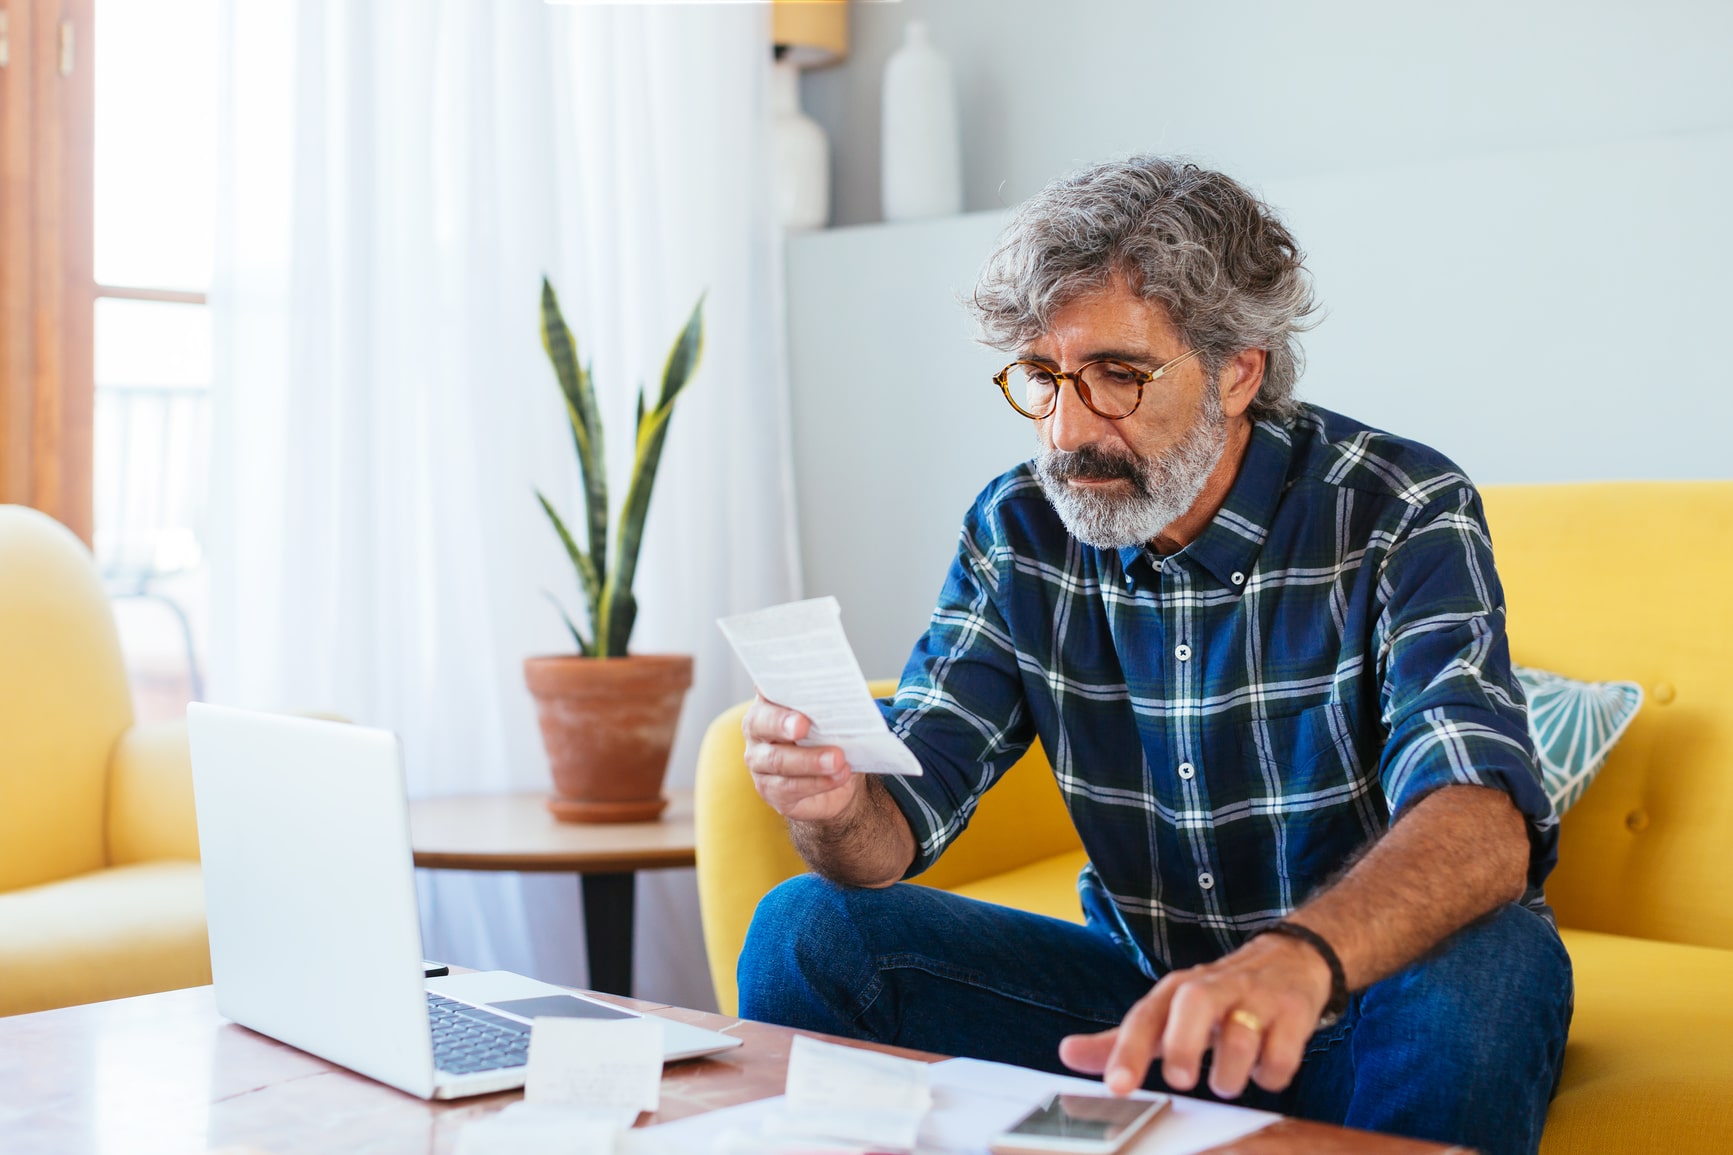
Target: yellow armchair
x,y
1606,581
100,894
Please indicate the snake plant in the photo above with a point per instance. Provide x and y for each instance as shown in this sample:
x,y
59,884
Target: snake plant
x,y
605,574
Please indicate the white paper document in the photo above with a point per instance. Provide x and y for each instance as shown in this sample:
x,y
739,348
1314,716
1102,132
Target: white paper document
x,y
799,657
596,1063
852,1095
973,1101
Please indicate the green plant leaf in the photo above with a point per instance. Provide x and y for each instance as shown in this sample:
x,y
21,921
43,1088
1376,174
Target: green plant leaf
x,y
621,618
586,420
588,580
647,457
682,358
584,647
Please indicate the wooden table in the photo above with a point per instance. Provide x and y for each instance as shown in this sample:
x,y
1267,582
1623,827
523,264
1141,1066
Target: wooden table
x,y
516,832
164,1074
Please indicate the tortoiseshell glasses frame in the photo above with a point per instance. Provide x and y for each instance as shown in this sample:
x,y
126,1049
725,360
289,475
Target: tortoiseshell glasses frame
x,y
1113,379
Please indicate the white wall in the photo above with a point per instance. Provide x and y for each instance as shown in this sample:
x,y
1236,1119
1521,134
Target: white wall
x,y
1273,89
1515,219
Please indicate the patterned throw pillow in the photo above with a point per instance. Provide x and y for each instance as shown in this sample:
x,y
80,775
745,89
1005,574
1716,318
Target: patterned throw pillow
x,y
1574,725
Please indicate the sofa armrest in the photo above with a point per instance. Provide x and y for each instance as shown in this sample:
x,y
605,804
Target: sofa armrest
x,y
150,796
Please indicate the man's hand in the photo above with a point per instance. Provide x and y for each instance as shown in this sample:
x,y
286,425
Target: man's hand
x,y
802,783
1278,984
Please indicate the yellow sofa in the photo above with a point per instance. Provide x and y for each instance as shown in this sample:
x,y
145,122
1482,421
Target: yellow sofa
x,y
100,895
1609,581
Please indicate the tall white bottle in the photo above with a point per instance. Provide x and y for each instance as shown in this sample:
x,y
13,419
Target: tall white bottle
x,y
920,162
802,156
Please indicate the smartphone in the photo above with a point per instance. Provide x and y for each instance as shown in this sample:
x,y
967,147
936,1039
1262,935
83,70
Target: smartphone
x,y
1078,1125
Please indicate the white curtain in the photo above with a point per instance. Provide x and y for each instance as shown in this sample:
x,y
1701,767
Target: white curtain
x,y
396,177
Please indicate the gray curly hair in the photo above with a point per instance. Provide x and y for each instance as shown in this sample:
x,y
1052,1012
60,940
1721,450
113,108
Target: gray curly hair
x,y
1196,242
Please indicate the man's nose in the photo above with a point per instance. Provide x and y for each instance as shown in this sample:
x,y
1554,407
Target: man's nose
x,y
1072,424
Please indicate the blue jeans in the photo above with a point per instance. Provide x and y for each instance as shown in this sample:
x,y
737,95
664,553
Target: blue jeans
x,y
1463,1046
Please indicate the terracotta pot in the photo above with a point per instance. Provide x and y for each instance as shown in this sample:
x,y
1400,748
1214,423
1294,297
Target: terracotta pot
x,y
608,724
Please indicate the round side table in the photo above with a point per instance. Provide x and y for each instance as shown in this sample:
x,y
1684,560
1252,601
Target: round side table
x,y
516,832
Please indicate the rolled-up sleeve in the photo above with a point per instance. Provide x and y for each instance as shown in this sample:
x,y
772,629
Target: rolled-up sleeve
x,y
1449,699
959,706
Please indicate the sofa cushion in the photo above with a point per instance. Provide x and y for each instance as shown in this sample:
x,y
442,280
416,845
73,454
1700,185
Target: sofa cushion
x,y
110,934
1574,725
1046,887
1648,1066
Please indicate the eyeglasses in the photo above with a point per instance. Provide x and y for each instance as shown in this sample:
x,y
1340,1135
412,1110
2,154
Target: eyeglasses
x,y
1111,389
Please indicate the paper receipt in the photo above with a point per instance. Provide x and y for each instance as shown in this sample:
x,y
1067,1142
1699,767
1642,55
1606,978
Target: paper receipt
x,y
799,657
600,1064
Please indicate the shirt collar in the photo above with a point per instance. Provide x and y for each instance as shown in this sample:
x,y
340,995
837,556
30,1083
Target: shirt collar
x,y
1230,543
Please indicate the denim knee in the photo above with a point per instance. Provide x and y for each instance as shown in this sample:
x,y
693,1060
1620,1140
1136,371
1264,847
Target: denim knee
x,y
1466,1045
1498,991
802,953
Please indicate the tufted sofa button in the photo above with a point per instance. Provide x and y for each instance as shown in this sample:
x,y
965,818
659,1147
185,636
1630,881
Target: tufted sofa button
x,y
1664,693
1636,821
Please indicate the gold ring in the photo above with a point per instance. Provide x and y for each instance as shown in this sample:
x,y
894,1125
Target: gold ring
x,y
1247,1020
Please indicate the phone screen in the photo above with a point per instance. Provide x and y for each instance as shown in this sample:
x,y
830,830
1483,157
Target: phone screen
x,y
1083,1117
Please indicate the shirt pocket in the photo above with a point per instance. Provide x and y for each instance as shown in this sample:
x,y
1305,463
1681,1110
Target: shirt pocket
x,y
1293,757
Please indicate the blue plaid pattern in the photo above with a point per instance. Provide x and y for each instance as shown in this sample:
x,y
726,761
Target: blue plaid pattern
x,y
1232,723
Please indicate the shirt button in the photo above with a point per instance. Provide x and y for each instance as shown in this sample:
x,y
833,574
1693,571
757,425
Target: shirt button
x,y
1186,771
1182,652
1238,579
1206,880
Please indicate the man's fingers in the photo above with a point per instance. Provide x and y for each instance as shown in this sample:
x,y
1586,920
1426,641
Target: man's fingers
x,y
786,761
802,783
1238,1042
1139,1038
1284,1048
1088,1053
1197,1008
765,721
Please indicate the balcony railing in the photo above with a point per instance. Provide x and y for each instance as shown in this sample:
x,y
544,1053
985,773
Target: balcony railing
x,y
151,453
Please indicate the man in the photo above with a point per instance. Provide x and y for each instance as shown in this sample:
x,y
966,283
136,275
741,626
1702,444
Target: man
x,y
1263,647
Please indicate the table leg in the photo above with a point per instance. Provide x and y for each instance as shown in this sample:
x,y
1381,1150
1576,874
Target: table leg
x,y
608,903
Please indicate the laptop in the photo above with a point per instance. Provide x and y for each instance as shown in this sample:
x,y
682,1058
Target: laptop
x,y
314,928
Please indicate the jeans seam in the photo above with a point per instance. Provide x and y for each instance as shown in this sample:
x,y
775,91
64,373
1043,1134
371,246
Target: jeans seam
x,y
869,995
910,961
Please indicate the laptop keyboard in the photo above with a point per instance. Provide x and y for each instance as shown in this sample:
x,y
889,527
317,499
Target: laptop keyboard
x,y
468,1039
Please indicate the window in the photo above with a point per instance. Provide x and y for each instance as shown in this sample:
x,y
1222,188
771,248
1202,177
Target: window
x,y
155,184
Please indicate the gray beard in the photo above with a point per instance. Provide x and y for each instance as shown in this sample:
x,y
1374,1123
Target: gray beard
x,y
1163,488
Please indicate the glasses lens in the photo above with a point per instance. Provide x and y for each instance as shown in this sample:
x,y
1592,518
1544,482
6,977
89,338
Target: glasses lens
x,y
1114,387
1032,389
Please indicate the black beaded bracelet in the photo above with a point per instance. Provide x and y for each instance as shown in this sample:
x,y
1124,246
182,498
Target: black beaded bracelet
x,y
1338,977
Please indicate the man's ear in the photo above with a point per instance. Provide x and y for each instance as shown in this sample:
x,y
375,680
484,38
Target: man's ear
x,y
1240,379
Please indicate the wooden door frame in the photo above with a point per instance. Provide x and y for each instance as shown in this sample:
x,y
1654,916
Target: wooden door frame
x,y
47,250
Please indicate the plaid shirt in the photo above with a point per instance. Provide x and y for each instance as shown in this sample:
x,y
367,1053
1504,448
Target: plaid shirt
x,y
1228,724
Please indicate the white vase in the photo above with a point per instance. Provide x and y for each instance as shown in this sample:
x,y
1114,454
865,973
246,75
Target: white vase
x,y
802,156
921,164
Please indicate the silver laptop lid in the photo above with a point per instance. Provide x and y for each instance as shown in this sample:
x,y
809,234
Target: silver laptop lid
x,y
310,889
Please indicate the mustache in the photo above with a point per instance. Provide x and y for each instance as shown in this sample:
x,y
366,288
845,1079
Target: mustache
x,y
1090,463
